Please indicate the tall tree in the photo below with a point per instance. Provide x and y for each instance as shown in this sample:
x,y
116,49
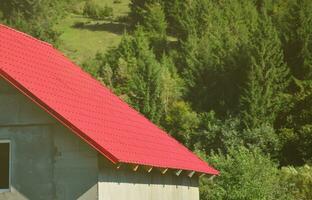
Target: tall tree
x,y
134,73
212,61
139,9
267,77
296,33
295,28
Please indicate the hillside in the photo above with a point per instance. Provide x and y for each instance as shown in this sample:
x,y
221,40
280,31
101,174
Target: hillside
x,y
83,37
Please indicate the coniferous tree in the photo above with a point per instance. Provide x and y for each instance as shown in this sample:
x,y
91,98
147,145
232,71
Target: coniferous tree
x,y
155,26
296,34
134,73
145,88
267,78
294,124
212,58
138,10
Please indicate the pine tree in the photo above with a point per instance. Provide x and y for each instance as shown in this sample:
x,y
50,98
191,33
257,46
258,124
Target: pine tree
x,y
296,32
154,84
138,9
212,58
294,124
267,77
181,17
155,26
145,88
136,75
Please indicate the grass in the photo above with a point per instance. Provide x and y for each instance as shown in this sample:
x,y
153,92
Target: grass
x,y
83,37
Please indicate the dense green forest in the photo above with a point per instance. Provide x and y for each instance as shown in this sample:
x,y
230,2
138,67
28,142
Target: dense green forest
x,y
230,79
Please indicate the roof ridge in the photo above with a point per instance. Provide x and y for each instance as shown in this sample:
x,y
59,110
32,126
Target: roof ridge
x,y
25,35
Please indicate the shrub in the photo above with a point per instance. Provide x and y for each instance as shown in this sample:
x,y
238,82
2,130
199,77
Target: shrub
x,y
298,181
244,174
94,11
106,12
90,9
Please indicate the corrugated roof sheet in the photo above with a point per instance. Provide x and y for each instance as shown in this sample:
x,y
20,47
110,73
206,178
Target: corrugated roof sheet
x,y
87,107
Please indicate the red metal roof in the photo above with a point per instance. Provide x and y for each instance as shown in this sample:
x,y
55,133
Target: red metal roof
x,y
87,107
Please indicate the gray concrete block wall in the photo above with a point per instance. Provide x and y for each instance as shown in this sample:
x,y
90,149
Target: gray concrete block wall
x,y
31,171
125,184
47,160
75,167
51,162
16,109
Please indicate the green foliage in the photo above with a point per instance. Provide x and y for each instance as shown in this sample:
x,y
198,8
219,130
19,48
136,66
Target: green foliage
x,y
154,20
182,122
154,85
214,134
213,56
155,25
298,181
35,17
218,75
95,11
294,25
245,174
264,95
139,9
133,71
145,86
181,17
171,83
297,142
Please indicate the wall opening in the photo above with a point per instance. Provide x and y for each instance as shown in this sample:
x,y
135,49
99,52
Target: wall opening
x,y
4,165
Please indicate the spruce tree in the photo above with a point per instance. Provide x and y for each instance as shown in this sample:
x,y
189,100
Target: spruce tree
x,y
154,84
138,10
296,32
145,89
155,26
267,77
136,75
294,124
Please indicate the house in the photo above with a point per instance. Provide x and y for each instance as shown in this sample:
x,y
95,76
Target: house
x,y
63,135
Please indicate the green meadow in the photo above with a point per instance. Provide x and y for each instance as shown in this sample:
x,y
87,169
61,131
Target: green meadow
x,y
82,37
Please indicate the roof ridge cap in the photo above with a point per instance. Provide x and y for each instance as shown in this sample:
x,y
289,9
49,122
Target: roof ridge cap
x,y
25,35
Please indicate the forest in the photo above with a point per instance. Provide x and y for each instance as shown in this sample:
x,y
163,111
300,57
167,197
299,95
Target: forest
x,y
229,79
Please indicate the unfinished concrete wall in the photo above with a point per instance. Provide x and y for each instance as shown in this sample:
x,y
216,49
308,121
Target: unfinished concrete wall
x,y
47,160
75,168
125,184
50,162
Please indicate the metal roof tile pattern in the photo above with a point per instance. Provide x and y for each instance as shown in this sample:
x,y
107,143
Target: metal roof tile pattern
x,y
87,107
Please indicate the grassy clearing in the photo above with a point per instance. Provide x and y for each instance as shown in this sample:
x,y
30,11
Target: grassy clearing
x,y
83,37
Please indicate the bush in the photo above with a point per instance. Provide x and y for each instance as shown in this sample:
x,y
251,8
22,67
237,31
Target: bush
x,y
90,9
106,12
244,174
181,121
298,181
94,11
